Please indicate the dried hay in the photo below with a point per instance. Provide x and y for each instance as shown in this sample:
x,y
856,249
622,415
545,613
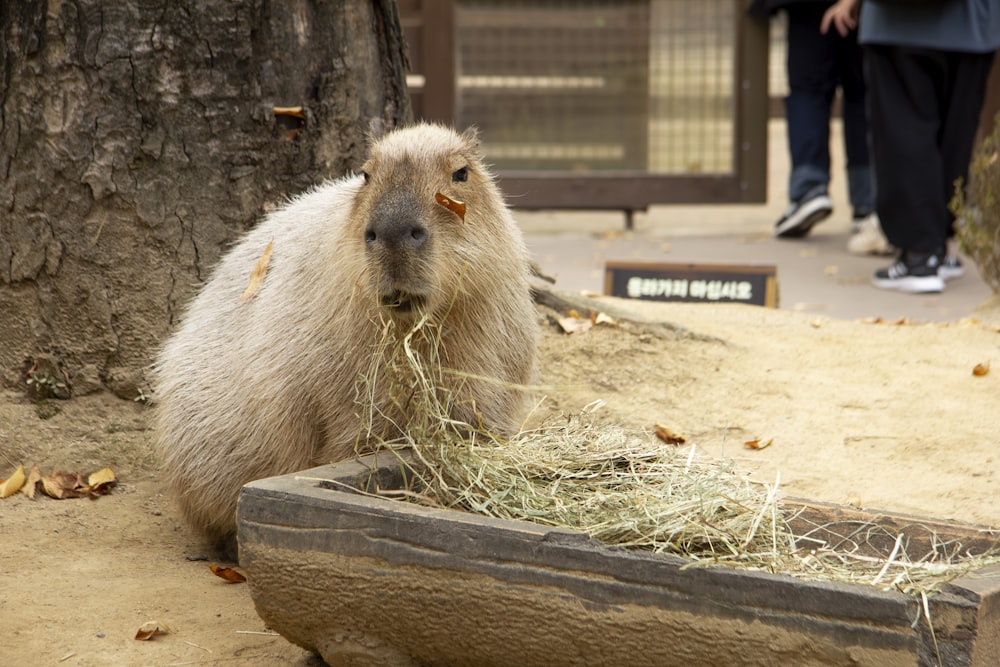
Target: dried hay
x,y
627,489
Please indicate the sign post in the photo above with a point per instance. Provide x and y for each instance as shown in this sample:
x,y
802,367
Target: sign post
x,y
696,283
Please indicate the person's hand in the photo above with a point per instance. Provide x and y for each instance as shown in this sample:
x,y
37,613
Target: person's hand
x,y
843,16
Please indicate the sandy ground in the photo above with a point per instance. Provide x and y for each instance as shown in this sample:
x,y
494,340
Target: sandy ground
x,y
899,421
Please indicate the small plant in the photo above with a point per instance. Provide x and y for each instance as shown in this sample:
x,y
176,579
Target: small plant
x,y
977,209
44,377
45,384
46,409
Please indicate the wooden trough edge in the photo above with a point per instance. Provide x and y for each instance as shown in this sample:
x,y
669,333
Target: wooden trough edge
x,y
323,517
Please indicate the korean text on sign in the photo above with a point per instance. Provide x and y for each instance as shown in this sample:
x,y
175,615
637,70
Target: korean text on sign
x,y
709,290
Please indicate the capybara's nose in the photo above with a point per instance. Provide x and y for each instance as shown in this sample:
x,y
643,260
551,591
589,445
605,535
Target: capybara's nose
x,y
396,234
395,223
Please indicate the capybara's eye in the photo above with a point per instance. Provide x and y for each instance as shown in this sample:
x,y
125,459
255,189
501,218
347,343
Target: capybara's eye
x,y
460,175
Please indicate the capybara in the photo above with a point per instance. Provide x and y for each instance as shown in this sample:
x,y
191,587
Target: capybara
x,y
267,380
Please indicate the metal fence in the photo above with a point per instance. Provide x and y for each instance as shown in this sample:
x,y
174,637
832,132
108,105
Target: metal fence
x,y
600,103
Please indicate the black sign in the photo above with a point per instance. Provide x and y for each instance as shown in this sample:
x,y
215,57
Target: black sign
x,y
702,283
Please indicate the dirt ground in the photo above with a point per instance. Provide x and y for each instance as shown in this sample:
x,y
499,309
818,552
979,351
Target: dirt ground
x,y
886,412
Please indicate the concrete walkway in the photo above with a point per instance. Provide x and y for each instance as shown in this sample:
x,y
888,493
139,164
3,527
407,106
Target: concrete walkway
x,y
815,274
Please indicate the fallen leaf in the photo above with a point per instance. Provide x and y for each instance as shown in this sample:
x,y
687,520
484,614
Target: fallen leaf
x,y
759,443
453,205
668,436
62,485
603,318
572,325
149,629
101,482
31,486
227,573
102,476
981,369
258,273
12,484
853,499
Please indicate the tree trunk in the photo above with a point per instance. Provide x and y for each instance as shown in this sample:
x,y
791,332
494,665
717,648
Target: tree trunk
x,y
138,138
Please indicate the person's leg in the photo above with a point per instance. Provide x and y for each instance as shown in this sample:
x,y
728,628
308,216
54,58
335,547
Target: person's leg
x,y
866,232
811,82
903,100
903,96
855,125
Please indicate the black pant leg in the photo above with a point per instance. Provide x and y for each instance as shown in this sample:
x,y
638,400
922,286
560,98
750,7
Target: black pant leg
x,y
812,82
904,95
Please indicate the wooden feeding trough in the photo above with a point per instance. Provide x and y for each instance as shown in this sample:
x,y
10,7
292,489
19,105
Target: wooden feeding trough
x,y
366,580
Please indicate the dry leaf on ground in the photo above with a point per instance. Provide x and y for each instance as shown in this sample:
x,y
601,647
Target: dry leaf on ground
x,y
981,369
227,573
759,443
603,318
30,487
572,325
61,485
575,323
101,482
12,484
150,629
668,436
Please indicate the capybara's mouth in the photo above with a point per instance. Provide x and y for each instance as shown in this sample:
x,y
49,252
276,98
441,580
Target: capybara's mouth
x,y
401,302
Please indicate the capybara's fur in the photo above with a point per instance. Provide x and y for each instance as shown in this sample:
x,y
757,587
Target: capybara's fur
x,y
272,384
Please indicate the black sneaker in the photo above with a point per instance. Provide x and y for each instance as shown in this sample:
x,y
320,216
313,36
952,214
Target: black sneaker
x,y
913,272
804,213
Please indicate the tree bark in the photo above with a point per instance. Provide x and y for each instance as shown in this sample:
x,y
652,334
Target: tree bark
x,y
138,138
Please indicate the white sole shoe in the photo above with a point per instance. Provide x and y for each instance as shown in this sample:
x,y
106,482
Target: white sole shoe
x,y
911,284
914,273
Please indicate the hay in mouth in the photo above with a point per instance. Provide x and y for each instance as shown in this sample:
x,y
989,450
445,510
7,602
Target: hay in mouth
x,y
401,302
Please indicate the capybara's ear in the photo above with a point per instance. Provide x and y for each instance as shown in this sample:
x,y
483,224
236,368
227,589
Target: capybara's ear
x,y
471,136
